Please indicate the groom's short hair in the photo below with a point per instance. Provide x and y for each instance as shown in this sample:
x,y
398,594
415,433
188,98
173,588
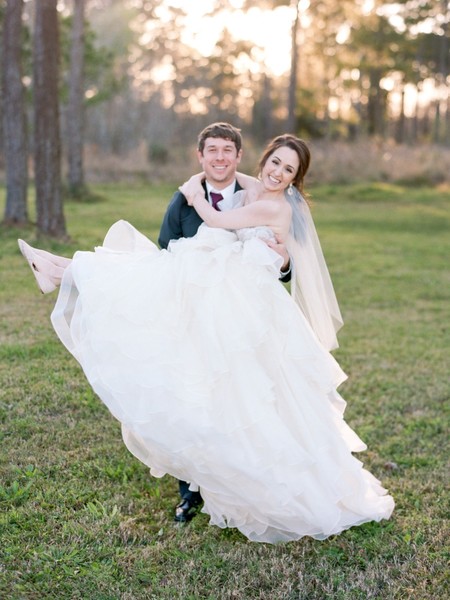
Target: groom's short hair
x,y
220,130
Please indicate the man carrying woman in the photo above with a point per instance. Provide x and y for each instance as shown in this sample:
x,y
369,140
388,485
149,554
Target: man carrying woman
x,y
218,375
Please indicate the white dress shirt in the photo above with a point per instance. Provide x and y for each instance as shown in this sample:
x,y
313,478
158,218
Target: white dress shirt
x,y
226,192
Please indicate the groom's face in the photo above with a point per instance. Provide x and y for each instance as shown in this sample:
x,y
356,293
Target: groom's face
x,y
219,161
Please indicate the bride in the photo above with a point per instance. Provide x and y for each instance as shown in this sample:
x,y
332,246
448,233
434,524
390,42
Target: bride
x,y
218,376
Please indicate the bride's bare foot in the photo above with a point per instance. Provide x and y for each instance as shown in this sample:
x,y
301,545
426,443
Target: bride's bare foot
x,y
47,268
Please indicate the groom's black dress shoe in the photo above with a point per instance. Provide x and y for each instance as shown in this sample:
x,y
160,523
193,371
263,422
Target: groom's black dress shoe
x,y
185,510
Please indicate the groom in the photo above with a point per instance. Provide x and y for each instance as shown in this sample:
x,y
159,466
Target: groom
x,y
219,152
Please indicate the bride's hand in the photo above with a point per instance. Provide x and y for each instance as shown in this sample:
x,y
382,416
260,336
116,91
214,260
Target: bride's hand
x,y
193,187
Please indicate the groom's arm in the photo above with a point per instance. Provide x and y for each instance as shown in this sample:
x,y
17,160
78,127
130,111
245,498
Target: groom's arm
x,y
180,220
171,228
285,274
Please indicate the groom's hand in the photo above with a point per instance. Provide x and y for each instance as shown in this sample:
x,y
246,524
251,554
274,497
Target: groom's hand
x,y
281,250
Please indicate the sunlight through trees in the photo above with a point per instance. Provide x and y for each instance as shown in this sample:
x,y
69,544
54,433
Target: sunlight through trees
x,y
152,72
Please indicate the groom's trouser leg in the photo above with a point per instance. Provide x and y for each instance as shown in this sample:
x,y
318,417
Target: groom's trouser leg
x,y
193,497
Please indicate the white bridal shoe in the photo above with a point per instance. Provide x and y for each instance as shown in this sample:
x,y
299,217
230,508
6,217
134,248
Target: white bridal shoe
x,y
47,268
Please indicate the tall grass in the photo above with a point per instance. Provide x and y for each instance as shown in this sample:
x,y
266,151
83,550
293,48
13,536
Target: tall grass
x,y
81,518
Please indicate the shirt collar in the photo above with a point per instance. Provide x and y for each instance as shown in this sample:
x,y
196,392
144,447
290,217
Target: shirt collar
x,y
226,192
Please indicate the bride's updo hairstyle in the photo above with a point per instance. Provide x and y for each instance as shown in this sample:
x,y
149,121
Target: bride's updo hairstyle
x,y
296,144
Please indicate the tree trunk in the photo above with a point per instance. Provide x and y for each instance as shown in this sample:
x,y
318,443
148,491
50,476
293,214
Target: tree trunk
x,y
75,112
262,116
376,104
292,94
443,136
47,144
437,122
400,125
447,123
416,117
14,119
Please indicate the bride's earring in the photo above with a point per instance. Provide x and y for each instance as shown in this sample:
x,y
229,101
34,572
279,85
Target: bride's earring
x,y
290,189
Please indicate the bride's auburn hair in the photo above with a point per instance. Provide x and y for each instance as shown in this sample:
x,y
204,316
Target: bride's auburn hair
x,y
296,144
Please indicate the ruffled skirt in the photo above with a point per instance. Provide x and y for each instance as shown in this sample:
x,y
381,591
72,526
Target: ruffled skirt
x,y
218,379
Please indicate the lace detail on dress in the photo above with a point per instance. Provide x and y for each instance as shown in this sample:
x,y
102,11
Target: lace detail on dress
x,y
248,233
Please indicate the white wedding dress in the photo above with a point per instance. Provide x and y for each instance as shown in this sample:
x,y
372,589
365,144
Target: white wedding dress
x,y
219,380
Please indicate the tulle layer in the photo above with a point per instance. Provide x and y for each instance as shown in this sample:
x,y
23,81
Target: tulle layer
x,y
218,380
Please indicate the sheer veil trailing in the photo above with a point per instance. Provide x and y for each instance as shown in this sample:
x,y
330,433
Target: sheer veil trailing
x,y
311,285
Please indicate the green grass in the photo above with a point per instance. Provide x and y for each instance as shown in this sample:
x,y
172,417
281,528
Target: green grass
x,y
81,518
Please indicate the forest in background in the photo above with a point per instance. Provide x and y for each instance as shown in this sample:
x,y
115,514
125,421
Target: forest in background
x,y
134,87
357,68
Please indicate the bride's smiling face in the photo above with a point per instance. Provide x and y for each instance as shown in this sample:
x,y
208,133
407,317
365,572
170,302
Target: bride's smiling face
x,y
280,169
219,160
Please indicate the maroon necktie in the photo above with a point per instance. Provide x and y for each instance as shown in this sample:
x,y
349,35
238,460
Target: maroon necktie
x,y
215,198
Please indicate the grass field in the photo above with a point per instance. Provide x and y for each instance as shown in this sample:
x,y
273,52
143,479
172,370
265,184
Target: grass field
x,y
80,518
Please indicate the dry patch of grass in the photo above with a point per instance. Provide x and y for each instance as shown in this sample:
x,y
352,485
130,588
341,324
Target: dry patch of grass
x,y
333,162
368,160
